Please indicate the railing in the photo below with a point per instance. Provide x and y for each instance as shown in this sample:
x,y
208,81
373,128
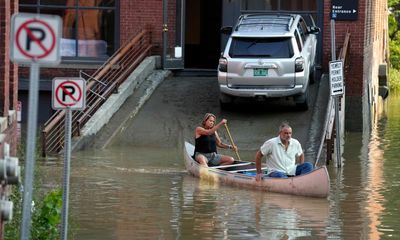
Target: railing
x,y
99,86
329,130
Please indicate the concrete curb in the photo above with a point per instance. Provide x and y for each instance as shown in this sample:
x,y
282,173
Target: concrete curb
x,y
115,101
317,126
152,82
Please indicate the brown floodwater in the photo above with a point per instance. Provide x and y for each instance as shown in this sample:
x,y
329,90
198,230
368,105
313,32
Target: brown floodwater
x,y
141,190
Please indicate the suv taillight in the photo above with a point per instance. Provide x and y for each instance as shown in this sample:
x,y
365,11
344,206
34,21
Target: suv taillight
x,y
299,64
223,65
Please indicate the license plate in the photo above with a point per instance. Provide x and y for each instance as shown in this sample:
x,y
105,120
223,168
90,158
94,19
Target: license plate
x,y
260,72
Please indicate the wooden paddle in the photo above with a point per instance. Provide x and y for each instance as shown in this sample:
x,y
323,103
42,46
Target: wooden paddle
x,y
232,143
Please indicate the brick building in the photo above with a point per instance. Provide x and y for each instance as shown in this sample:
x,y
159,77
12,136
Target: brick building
x,y
186,34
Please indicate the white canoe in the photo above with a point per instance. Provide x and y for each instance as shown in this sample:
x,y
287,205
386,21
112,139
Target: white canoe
x,y
313,184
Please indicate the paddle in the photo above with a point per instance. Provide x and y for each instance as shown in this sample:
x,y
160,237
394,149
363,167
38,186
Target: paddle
x,y
232,143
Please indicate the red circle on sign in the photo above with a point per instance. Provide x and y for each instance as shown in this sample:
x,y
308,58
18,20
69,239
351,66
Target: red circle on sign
x,y
62,89
45,51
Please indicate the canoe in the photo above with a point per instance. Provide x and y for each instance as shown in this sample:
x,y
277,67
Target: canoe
x,y
241,174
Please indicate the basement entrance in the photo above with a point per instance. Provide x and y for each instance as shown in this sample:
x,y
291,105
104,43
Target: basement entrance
x,y
202,33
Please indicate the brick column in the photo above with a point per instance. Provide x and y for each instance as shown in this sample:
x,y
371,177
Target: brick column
x,y
4,58
8,87
13,70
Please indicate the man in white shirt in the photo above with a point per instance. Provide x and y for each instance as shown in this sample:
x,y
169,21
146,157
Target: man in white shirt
x,y
282,152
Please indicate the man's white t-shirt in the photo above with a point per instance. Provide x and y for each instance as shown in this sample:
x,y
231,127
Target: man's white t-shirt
x,y
279,159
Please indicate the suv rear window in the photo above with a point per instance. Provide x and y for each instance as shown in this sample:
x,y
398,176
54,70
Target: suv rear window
x,y
261,47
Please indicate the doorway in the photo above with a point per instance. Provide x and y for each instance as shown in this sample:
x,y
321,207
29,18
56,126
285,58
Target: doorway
x,y
202,33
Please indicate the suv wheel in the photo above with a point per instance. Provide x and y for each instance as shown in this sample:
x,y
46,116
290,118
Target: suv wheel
x,y
303,101
225,100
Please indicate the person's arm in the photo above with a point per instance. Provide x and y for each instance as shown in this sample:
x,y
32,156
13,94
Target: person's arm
x,y
220,143
300,158
300,154
258,158
202,131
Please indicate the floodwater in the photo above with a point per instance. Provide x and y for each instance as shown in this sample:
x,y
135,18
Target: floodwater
x,y
142,191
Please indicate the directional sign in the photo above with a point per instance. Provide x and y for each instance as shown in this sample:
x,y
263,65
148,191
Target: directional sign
x,y
344,10
35,38
336,77
69,93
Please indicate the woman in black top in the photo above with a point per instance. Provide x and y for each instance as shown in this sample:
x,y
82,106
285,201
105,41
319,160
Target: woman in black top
x,y
207,140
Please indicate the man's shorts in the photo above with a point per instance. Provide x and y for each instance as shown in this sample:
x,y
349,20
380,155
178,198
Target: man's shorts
x,y
213,159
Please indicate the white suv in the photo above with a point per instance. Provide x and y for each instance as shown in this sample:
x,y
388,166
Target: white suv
x,y
268,56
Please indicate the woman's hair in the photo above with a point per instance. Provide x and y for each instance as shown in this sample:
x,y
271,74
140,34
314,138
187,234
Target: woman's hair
x,y
206,117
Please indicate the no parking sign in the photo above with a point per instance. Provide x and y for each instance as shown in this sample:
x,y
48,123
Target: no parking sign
x,y
69,93
36,38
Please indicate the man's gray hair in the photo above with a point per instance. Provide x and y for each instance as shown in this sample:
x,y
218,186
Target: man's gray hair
x,y
283,125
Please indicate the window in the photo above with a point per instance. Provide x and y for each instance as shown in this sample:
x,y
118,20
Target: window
x,y
88,25
280,5
261,47
302,30
298,40
259,5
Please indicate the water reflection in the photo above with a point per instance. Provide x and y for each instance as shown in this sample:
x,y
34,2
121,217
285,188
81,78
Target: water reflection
x,y
144,192
223,212
362,193
113,199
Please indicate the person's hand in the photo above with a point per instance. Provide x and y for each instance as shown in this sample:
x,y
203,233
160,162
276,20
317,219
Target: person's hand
x,y
259,176
234,148
224,121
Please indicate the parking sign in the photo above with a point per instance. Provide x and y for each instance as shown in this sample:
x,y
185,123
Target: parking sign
x,y
336,77
69,93
35,38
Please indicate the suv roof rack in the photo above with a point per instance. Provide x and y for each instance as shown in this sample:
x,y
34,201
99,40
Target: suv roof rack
x,y
266,19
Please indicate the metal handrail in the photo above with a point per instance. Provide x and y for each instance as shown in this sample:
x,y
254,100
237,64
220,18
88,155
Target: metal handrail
x,y
99,86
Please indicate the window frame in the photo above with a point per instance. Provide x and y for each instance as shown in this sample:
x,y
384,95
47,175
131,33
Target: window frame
x,y
37,7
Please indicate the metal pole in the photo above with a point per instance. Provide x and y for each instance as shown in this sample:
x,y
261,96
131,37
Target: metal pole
x,y
67,164
30,150
338,138
333,40
336,100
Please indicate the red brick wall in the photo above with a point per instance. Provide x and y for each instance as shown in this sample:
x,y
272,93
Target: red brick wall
x,y
135,15
50,73
4,56
354,82
14,88
8,72
8,83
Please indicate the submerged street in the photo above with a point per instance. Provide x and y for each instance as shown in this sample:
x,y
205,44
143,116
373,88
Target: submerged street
x,y
137,187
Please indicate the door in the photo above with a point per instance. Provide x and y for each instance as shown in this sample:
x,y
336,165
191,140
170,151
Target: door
x,y
173,32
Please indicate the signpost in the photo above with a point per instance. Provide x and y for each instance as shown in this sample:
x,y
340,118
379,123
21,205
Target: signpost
x,y
340,10
337,90
35,41
68,94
